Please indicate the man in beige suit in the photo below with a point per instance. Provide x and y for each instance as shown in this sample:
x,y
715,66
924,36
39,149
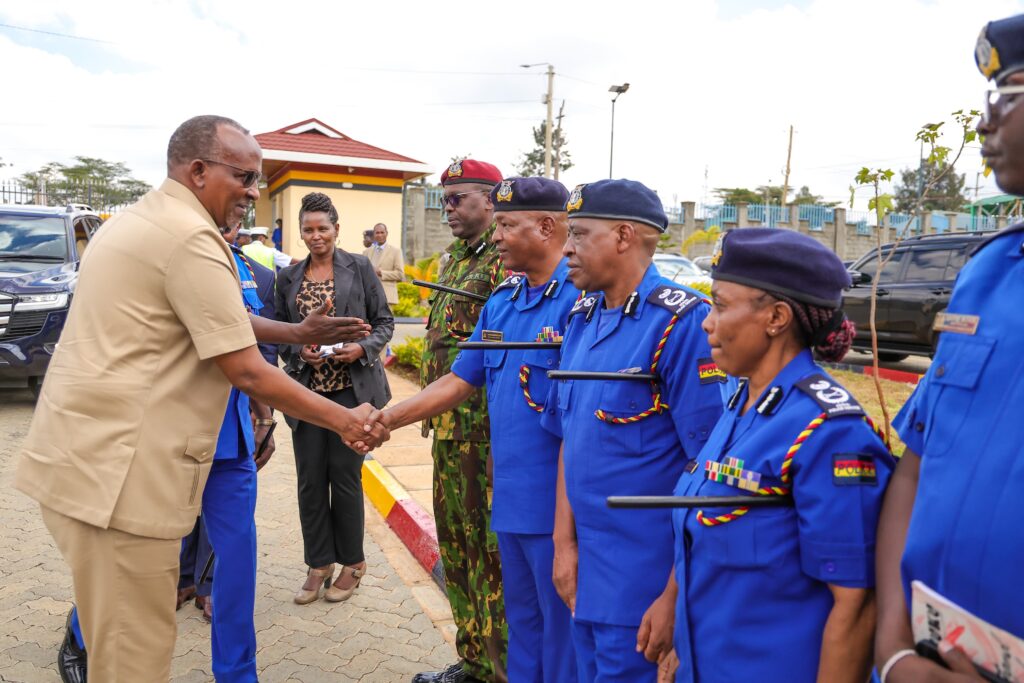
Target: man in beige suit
x,y
125,430
387,261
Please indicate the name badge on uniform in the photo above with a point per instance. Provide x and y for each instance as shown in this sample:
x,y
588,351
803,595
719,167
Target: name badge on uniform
x,y
961,323
730,472
248,284
492,336
854,469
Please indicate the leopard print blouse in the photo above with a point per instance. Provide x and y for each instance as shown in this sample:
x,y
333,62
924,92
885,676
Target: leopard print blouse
x,y
333,375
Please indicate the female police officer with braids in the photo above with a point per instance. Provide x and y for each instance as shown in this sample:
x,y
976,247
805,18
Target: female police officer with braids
x,y
780,593
328,472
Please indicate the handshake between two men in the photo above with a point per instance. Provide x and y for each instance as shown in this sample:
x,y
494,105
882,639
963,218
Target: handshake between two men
x,y
250,373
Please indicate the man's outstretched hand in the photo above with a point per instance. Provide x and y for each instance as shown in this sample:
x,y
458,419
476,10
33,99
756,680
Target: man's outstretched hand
x,y
320,328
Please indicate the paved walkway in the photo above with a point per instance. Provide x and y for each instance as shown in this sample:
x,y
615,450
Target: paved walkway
x,y
385,633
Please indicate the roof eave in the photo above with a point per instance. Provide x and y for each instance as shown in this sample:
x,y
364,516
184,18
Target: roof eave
x,y
414,168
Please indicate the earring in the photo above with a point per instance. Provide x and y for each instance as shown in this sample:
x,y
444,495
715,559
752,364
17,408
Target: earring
x,y
771,332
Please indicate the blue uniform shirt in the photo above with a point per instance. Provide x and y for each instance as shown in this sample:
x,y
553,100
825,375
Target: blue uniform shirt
x,y
236,428
964,539
625,556
525,456
753,593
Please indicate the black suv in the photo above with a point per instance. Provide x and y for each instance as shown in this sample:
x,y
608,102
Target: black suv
x,y
913,287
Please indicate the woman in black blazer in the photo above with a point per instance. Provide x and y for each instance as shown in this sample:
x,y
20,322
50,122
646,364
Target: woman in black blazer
x,y
329,473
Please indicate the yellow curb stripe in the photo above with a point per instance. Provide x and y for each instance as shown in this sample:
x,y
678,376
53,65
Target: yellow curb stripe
x,y
381,488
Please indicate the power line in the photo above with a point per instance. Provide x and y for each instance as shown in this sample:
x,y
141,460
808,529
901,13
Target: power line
x,y
54,33
460,104
428,71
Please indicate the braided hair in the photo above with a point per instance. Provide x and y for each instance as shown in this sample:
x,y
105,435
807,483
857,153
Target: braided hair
x,y
826,330
318,201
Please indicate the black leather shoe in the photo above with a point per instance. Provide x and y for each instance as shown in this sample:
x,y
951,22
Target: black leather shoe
x,y
71,659
453,674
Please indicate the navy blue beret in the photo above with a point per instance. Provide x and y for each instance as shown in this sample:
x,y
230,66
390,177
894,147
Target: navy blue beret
x,y
625,200
783,261
1000,48
529,194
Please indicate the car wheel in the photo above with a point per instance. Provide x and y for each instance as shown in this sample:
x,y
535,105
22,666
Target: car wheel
x,y
35,385
890,357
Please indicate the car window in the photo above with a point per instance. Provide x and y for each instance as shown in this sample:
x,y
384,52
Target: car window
x,y
890,271
957,260
927,265
38,236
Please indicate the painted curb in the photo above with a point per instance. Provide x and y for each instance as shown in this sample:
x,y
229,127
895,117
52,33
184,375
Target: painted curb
x,y
407,518
885,373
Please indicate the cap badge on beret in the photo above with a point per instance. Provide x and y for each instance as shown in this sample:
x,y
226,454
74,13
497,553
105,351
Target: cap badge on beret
x,y
987,55
504,193
575,202
455,170
716,253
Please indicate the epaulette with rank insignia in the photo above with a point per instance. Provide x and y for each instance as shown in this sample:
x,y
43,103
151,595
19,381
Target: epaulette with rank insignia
x,y
830,397
584,305
673,299
510,281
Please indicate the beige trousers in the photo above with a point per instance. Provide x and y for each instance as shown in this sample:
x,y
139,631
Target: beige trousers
x,y
125,588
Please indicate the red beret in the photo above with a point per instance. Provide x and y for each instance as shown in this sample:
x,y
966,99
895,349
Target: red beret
x,y
471,171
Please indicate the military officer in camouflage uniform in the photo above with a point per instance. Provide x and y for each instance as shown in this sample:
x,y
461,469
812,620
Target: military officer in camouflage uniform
x,y
461,448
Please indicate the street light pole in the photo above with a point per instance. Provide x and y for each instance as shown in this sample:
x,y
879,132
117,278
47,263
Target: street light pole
x,y
618,90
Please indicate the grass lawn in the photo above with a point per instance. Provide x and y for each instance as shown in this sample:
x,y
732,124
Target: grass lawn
x,y
863,389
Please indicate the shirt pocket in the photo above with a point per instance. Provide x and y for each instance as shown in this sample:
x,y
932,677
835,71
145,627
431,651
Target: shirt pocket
x,y
622,402
538,362
759,539
494,359
464,311
565,394
195,466
955,375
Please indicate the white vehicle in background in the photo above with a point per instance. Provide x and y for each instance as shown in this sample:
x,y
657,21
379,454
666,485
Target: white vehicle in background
x,y
682,270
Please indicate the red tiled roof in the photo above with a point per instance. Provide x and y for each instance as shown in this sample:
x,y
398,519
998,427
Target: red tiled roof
x,y
314,142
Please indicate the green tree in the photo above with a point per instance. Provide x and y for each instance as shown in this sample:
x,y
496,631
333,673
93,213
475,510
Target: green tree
x,y
805,196
88,180
937,166
947,194
773,193
532,162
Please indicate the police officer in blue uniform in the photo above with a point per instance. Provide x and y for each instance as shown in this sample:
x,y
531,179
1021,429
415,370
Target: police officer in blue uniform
x,y
952,515
531,306
227,525
780,593
624,437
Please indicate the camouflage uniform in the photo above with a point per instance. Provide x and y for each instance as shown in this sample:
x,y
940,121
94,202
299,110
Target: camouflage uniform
x,y
461,450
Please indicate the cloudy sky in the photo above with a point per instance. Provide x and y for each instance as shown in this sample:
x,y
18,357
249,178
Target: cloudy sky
x,y
714,84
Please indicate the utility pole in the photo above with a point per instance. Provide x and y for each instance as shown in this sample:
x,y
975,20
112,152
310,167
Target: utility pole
x,y
789,156
549,101
547,128
558,141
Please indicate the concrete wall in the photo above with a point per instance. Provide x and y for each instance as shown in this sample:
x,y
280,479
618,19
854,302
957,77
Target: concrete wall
x,y
428,234
358,210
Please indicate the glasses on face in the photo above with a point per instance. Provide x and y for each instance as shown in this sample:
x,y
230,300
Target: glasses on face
x,y
999,101
249,178
453,200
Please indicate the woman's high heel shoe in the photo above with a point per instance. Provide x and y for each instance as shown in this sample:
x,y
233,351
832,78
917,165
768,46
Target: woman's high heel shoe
x,y
323,579
337,594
